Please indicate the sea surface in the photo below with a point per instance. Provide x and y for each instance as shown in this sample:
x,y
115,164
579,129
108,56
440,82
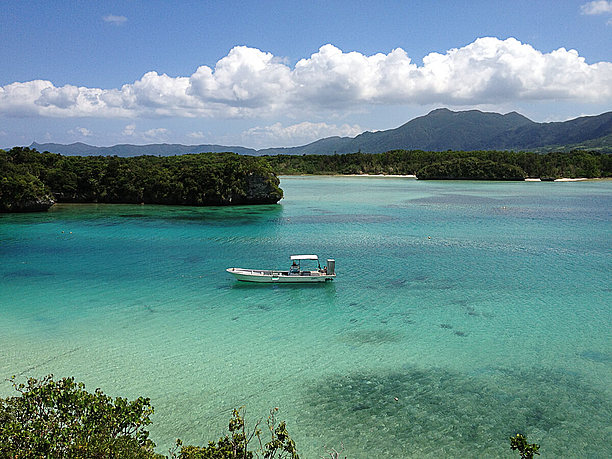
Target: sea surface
x,y
463,313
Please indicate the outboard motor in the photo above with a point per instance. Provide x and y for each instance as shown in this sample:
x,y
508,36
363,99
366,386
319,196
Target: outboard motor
x,y
331,266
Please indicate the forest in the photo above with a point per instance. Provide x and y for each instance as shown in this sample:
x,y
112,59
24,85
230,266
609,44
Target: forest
x,y
475,165
31,180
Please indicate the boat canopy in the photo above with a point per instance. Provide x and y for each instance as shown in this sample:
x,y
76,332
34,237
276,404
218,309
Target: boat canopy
x,y
304,257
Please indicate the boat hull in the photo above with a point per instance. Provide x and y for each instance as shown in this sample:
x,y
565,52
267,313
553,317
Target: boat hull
x,y
281,277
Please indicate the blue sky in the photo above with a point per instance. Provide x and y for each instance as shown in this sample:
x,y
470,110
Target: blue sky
x,y
264,74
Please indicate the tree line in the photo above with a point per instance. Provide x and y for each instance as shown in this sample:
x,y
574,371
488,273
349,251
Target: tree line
x,y
489,165
30,179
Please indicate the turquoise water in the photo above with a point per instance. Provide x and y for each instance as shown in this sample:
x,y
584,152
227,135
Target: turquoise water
x,y
483,308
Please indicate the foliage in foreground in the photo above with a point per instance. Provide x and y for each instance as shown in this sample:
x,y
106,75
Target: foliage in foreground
x,y
526,450
60,419
236,444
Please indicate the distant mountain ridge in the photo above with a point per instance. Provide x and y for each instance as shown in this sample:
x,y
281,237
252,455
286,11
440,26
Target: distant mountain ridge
x,y
158,149
439,130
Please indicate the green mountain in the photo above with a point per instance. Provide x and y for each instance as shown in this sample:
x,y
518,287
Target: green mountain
x,y
592,132
443,129
439,130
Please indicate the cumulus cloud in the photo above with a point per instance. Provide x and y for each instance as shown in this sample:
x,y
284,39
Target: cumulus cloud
x,y
63,97
19,99
245,79
114,19
298,133
597,7
251,83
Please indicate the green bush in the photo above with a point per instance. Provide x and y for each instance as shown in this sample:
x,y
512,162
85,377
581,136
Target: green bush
x,y
236,444
61,419
526,450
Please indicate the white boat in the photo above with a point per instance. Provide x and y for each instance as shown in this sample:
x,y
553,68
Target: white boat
x,y
295,273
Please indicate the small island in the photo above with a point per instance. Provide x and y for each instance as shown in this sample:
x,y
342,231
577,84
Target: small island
x,y
32,181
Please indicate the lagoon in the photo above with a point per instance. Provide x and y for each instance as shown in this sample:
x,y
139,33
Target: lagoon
x,y
482,307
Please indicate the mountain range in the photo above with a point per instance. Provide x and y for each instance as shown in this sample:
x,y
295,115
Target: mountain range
x,y
439,130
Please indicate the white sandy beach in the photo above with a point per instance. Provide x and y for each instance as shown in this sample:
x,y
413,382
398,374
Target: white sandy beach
x,y
376,175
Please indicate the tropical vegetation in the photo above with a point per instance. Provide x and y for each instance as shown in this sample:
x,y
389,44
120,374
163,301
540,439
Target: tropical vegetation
x,y
60,419
490,165
27,176
31,181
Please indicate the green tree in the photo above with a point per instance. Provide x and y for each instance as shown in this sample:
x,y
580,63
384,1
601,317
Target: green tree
x,y
30,180
61,419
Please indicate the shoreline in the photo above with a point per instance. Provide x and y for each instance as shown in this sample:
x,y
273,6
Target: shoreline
x,y
563,179
412,176
376,175
350,175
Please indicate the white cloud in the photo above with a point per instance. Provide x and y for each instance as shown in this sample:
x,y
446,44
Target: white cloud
x,y
129,130
150,135
19,99
252,83
597,7
157,134
84,132
298,134
114,19
245,79
63,97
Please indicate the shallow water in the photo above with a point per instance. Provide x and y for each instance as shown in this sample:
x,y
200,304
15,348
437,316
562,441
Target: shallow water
x,y
483,308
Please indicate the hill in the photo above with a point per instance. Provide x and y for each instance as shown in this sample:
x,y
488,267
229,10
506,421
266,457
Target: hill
x,y
443,129
439,130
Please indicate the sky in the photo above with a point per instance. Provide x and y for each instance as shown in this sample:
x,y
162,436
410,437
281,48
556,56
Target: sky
x,y
284,73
